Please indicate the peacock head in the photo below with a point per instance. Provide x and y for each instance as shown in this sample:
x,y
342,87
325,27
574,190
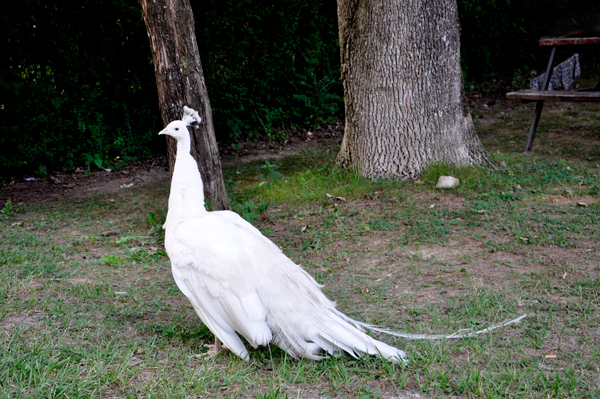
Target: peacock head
x,y
178,129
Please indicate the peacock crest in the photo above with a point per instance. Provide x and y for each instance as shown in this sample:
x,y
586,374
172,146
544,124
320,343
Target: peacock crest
x,y
190,116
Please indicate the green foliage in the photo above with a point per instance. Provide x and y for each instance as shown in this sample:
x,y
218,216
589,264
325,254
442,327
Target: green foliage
x,y
269,67
249,210
152,219
156,224
9,210
271,173
111,259
75,86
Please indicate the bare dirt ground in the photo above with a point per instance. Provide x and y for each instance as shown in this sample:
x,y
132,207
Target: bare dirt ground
x,y
83,183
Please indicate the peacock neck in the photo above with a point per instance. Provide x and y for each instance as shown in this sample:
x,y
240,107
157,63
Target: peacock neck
x,y
186,200
184,147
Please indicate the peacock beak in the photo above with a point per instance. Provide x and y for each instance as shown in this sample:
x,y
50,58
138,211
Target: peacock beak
x,y
164,131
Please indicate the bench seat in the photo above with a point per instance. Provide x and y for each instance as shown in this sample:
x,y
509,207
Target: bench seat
x,y
554,95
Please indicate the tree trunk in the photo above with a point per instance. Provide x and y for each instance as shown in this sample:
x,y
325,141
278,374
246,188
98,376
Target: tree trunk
x,y
180,81
403,89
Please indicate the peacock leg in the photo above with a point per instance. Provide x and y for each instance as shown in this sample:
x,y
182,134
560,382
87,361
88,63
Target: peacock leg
x,y
214,349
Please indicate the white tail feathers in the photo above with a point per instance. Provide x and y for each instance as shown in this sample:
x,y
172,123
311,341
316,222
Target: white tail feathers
x,y
395,355
190,116
457,335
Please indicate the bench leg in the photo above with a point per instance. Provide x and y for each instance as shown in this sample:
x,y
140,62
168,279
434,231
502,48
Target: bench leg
x,y
539,105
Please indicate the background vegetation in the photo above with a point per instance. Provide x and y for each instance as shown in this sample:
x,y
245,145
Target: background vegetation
x,y
77,85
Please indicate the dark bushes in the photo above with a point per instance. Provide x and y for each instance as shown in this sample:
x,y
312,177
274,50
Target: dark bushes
x,y
77,85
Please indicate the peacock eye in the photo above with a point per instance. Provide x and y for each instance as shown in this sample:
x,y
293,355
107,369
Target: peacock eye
x,y
176,128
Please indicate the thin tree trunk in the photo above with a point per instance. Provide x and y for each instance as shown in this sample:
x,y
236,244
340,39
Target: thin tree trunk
x,y
403,88
180,81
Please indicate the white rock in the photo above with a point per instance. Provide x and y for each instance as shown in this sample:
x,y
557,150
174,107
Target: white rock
x,y
447,182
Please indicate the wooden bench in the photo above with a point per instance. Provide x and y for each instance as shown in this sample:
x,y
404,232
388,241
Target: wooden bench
x,y
539,96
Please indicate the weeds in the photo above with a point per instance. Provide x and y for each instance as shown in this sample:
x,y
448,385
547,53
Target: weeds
x,y
9,210
270,173
249,210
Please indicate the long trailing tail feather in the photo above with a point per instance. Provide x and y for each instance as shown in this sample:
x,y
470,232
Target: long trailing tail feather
x,y
457,335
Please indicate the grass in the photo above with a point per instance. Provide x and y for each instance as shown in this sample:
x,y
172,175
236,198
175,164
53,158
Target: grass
x,y
88,315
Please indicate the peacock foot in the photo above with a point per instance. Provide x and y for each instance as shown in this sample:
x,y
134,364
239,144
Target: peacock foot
x,y
213,349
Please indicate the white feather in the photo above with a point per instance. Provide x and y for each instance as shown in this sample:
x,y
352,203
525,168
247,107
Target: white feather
x,y
190,116
239,282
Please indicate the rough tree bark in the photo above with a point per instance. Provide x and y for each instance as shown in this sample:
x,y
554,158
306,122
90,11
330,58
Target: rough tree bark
x,y
403,88
180,81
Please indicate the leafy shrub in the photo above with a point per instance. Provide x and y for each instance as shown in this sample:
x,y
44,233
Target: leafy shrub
x,y
76,86
269,67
